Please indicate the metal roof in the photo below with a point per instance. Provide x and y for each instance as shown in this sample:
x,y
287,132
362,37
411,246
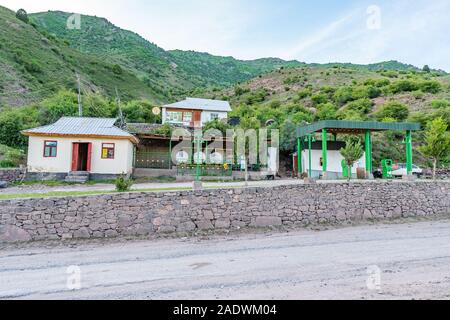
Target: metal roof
x,y
336,126
69,126
202,104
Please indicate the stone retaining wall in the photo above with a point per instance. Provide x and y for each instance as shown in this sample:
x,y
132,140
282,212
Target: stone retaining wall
x,y
12,175
140,214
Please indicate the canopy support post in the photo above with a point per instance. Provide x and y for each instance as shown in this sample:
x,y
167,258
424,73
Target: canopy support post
x,y
309,151
324,154
299,157
369,158
409,153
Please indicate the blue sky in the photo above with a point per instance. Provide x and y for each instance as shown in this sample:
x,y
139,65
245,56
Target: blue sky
x,y
416,31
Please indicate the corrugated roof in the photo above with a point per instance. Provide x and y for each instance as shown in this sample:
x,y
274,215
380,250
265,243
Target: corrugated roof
x,y
202,104
338,126
150,128
82,127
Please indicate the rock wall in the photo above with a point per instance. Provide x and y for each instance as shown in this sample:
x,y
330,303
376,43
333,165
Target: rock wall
x,y
140,214
12,175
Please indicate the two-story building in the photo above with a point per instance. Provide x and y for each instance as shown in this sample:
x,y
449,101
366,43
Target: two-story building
x,y
194,112
155,148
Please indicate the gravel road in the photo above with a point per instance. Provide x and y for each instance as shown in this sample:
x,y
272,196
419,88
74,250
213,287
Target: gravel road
x,y
414,260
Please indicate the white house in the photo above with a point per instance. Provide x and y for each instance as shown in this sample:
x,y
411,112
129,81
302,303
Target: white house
x,y
195,112
334,160
77,147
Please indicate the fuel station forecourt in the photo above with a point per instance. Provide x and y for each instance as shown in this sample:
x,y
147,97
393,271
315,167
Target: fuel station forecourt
x,y
305,135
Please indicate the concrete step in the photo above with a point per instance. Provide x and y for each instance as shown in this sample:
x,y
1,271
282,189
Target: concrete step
x,y
79,173
76,179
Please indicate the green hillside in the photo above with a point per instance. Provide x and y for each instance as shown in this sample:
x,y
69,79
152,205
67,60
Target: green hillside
x,y
167,71
225,71
289,97
34,66
40,58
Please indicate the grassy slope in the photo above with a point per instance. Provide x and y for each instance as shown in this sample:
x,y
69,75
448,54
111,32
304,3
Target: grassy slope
x,y
34,66
321,76
148,71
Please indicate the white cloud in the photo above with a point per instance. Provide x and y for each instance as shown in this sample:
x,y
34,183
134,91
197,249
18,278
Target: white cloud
x,y
416,34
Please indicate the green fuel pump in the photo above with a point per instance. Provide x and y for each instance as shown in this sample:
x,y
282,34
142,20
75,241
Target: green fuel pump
x,y
387,168
344,169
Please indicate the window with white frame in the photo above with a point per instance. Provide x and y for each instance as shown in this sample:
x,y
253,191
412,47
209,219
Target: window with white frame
x,y
187,117
175,116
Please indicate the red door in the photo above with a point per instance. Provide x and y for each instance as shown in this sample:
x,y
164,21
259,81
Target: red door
x,y
196,118
75,153
89,157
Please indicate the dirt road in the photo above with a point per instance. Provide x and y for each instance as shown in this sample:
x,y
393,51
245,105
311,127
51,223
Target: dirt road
x,y
414,260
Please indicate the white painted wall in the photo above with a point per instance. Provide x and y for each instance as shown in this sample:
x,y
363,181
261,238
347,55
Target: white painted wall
x,y
164,115
334,160
122,162
205,116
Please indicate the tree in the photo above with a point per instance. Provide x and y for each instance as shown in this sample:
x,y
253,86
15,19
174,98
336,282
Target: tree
x,y
21,14
62,104
326,111
217,124
393,109
426,69
140,111
437,141
288,136
352,152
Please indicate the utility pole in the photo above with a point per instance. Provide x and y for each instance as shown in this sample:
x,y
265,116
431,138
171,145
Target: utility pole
x,y
122,121
80,107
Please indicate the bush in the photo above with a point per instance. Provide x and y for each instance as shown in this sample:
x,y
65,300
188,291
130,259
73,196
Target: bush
x,y
343,95
390,74
217,124
326,111
117,69
239,91
377,82
10,157
7,164
430,86
362,106
11,123
438,104
305,93
404,86
123,184
418,95
393,109
33,67
164,130
319,98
